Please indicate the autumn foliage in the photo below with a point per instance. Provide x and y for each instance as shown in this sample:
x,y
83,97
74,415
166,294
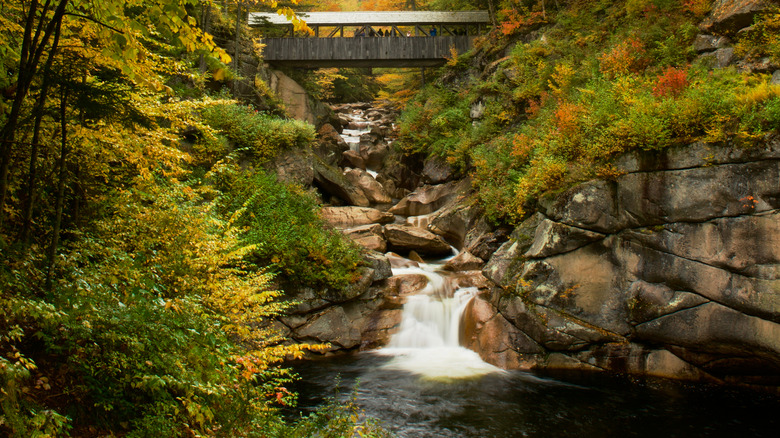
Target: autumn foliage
x,y
670,83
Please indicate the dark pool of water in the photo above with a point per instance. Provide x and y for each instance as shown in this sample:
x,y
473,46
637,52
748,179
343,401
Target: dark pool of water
x,y
516,404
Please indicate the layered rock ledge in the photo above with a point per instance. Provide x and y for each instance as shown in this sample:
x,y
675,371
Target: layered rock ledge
x,y
671,270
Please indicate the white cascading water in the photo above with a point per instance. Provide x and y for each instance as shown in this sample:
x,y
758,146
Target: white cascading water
x,y
428,339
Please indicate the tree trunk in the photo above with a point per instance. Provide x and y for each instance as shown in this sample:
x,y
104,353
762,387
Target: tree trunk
x,y
33,47
55,233
32,177
236,51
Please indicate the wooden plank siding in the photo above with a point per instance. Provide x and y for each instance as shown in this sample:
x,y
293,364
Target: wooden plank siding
x,y
363,51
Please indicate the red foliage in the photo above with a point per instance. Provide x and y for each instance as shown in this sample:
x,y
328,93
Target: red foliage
x,y
671,82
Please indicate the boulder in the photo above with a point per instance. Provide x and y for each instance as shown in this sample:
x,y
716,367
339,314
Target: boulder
x,y
346,217
427,199
671,269
454,220
368,236
353,159
396,261
504,265
293,166
371,188
437,171
331,326
329,145
374,154
380,264
709,43
464,261
405,238
332,182
728,16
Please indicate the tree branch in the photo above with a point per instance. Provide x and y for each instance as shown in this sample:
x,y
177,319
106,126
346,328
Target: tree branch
x,y
95,20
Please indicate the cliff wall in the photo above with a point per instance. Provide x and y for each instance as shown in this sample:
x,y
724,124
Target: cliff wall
x,y
671,269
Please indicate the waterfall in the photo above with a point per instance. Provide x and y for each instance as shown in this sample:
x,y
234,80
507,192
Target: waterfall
x,y
428,338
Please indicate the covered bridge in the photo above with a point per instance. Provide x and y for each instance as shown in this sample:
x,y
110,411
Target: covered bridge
x,y
371,39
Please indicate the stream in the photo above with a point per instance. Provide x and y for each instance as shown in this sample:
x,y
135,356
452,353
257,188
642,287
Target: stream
x,y
424,384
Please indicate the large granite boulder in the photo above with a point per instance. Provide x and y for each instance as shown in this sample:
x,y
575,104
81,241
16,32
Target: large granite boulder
x,y
428,199
369,236
371,188
346,217
729,16
672,270
404,238
293,166
331,181
329,145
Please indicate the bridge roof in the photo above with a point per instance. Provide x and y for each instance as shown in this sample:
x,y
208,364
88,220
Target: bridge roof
x,y
375,18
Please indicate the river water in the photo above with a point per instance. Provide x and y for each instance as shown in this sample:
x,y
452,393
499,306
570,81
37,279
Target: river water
x,y
423,384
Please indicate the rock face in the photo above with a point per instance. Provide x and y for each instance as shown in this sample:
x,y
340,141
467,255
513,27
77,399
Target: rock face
x,y
729,16
403,238
672,270
346,217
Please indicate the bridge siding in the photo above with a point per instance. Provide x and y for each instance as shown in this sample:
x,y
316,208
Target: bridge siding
x,y
363,51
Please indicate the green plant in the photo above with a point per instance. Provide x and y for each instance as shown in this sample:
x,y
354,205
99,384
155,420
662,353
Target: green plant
x,y
258,134
282,224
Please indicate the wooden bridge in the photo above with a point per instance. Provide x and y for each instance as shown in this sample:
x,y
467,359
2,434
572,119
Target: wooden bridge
x,y
370,39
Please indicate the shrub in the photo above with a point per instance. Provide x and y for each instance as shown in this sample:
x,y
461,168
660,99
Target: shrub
x,y
282,225
258,134
670,83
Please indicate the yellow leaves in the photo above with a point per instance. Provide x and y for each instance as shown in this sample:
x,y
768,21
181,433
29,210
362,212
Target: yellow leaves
x,y
561,80
452,61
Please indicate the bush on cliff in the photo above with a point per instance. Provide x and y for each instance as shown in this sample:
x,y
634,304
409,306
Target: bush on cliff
x,y
596,80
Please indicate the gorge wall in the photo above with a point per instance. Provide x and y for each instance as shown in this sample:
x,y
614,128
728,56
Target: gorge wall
x,y
672,269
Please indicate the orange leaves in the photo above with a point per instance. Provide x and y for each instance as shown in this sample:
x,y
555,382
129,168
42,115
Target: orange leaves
x,y
670,83
567,117
626,57
515,21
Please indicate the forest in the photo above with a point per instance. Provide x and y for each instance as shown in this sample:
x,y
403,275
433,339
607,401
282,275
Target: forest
x,y
143,244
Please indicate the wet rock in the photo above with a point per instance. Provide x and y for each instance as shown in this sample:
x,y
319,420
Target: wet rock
x,y
353,159
426,199
437,171
405,238
369,236
406,284
331,326
413,256
329,145
396,261
464,261
353,216
371,188
331,181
